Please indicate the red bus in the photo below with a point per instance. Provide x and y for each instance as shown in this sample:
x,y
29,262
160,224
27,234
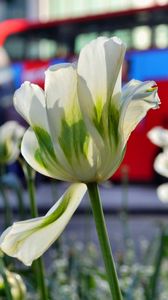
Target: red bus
x,y
30,47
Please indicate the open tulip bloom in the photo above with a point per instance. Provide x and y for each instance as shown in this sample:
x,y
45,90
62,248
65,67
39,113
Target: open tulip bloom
x,y
79,128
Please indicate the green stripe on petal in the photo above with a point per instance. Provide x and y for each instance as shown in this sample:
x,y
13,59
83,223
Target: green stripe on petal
x,y
31,152
45,141
99,79
39,158
20,240
113,121
106,120
98,116
60,208
41,161
74,139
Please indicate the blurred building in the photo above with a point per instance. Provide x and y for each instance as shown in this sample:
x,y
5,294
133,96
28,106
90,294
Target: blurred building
x,y
55,9
62,8
12,9
49,9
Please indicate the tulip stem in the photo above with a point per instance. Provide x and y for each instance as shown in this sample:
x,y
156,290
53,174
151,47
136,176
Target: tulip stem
x,y
5,278
38,264
7,209
104,241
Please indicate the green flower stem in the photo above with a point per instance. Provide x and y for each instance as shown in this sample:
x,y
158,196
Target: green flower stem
x,y
21,208
124,214
104,241
38,264
7,208
6,283
152,293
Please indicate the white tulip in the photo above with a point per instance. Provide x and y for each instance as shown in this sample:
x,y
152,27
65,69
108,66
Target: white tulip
x,y
79,128
161,163
162,192
159,136
10,136
80,124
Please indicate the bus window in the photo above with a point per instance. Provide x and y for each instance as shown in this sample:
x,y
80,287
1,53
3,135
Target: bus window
x,y
161,36
84,38
41,49
35,46
15,47
126,36
142,36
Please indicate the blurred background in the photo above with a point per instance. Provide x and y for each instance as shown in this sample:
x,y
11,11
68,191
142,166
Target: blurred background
x,y
37,33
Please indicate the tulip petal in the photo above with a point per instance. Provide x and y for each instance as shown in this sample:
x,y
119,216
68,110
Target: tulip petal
x,y
99,70
61,96
29,102
67,129
72,142
158,136
161,163
137,98
28,240
40,156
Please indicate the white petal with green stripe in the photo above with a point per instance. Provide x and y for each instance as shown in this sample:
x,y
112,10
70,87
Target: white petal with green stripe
x,y
40,155
99,67
29,101
72,142
28,240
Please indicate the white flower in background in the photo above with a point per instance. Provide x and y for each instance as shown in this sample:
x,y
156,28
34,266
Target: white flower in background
x,y
161,163
79,128
162,192
17,286
161,167
10,136
159,136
